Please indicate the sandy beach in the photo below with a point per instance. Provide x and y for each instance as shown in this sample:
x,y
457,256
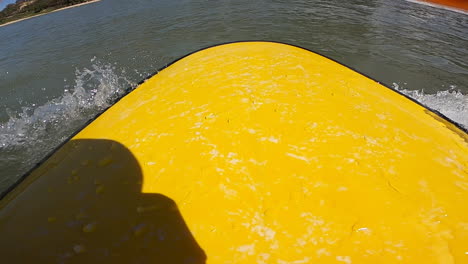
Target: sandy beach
x,y
56,10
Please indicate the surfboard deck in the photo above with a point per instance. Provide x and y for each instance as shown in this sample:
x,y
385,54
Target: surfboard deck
x,y
251,152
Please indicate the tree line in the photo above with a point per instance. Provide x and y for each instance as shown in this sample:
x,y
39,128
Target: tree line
x,y
14,11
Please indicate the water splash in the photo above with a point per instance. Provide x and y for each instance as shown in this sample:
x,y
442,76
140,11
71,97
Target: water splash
x,y
451,103
33,132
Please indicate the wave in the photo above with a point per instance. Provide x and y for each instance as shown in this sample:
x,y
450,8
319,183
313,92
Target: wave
x,y
451,103
33,132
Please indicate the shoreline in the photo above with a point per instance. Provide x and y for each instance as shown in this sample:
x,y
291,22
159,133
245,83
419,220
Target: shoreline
x,y
53,11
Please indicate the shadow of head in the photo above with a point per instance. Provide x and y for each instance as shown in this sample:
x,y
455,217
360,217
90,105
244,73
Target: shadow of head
x,y
86,206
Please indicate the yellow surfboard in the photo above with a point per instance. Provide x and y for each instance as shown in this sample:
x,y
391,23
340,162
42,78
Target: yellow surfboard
x,y
251,152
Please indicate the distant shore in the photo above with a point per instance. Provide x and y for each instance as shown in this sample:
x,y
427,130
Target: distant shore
x,y
49,12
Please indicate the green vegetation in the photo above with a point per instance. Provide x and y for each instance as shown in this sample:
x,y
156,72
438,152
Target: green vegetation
x,y
27,8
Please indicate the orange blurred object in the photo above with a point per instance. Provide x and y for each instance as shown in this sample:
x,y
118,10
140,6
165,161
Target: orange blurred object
x,y
459,4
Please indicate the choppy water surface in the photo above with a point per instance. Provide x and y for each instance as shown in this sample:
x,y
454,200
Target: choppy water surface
x,y
58,71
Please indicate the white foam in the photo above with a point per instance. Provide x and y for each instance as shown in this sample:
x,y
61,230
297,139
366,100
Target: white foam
x,y
31,133
451,103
